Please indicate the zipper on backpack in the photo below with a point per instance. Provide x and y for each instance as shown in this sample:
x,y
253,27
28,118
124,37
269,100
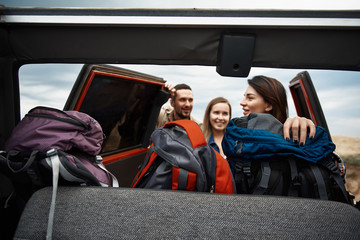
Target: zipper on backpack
x,y
239,150
212,189
236,143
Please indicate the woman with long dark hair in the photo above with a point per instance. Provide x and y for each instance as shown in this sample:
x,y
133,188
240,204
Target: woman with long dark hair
x,y
268,95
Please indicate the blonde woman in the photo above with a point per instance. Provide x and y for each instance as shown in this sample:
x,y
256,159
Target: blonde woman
x,y
217,116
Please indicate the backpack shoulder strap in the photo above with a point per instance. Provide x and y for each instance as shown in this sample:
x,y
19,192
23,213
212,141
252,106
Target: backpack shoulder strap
x,y
149,159
53,156
193,131
265,178
331,166
224,180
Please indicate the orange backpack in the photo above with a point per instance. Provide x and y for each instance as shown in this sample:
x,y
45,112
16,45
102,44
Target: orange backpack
x,y
179,158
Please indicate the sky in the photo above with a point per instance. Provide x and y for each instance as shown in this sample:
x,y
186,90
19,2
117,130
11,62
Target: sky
x,y
338,91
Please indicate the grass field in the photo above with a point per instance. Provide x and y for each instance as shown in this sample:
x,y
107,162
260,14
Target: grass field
x,y
349,150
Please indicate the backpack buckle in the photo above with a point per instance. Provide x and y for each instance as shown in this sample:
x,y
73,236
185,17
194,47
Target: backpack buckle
x,y
296,181
243,167
332,166
51,152
247,170
98,159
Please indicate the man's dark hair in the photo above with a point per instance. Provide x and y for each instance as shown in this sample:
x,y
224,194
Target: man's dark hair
x,y
180,87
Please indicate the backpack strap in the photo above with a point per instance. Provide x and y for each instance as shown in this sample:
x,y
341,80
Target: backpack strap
x,y
28,163
329,164
242,175
55,163
152,154
182,179
224,182
320,182
265,178
145,167
114,181
295,179
193,131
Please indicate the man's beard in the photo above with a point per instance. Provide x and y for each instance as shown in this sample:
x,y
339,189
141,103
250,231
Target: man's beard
x,y
182,116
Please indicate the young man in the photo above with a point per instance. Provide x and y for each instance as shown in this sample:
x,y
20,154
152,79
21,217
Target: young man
x,y
181,101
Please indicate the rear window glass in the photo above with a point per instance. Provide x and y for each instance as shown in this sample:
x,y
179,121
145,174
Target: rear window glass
x,y
122,107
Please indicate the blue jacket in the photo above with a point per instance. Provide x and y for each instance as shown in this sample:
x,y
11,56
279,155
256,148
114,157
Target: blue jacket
x,y
212,143
249,144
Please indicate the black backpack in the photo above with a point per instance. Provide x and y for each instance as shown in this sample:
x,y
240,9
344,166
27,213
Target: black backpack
x,y
263,163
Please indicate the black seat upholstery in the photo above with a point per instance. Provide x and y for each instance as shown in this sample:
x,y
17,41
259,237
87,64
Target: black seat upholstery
x,y
118,213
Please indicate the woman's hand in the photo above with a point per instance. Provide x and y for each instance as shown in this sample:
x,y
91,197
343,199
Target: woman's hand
x,y
299,127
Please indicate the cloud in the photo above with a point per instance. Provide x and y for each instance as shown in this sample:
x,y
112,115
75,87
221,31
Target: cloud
x,y
344,126
46,84
341,100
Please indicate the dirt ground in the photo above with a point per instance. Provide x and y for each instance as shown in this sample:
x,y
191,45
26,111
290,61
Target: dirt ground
x,y
353,181
350,146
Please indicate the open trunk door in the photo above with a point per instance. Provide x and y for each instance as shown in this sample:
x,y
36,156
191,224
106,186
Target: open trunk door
x,y
126,104
306,101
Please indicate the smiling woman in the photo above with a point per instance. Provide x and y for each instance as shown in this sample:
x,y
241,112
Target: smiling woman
x,y
217,116
265,95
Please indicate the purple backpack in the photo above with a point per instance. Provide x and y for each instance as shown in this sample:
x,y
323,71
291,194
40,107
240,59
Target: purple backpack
x,y
53,147
74,137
